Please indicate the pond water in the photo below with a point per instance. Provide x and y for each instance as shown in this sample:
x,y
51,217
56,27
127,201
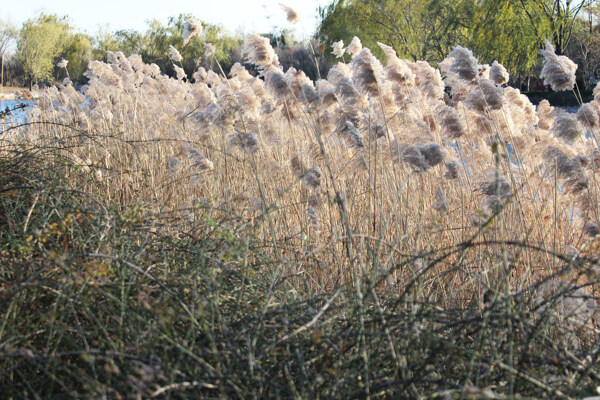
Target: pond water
x,y
14,116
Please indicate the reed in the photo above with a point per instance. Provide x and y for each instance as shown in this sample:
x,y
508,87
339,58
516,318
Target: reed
x,y
391,231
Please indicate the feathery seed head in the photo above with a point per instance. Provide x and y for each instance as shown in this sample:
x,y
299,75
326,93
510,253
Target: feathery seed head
x,y
245,141
558,71
354,47
388,50
587,116
209,50
338,73
313,176
450,121
545,113
238,71
429,80
597,92
441,203
566,127
313,218
326,92
297,166
338,49
180,72
463,63
200,75
499,74
292,15
346,92
432,153
487,96
483,71
366,72
174,166
557,160
258,51
191,28
198,160
495,185
308,93
353,135
396,69
521,110
483,124
278,83
62,64
452,169
174,54
411,155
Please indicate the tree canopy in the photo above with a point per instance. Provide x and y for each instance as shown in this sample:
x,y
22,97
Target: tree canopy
x,y
508,31
41,41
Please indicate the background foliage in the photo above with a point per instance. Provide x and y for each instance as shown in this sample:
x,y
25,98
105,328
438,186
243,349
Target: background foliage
x,y
511,32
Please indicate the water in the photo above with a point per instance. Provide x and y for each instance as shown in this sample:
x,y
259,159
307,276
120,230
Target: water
x,y
16,116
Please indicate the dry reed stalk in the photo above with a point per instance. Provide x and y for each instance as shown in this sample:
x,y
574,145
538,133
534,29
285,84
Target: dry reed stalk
x,y
397,144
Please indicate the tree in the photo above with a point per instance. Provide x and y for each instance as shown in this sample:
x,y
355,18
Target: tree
x,y
506,33
416,29
509,31
549,19
153,44
7,35
41,40
584,46
104,41
77,50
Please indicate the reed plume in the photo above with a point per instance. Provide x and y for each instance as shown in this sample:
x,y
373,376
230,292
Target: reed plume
x,y
498,74
174,54
209,50
396,69
174,166
452,169
429,80
566,127
367,72
451,124
292,15
354,47
464,64
191,28
558,71
313,176
487,96
258,51
587,116
545,113
338,49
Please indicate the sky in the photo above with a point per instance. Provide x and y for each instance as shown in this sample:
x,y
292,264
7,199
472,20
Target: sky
x,y
247,16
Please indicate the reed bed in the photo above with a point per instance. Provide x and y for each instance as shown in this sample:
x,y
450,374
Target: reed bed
x,y
386,231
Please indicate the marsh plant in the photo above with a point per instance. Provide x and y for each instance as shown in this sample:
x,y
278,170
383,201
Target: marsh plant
x,y
391,229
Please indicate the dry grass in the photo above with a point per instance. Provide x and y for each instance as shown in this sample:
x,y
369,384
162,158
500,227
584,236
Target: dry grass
x,y
366,234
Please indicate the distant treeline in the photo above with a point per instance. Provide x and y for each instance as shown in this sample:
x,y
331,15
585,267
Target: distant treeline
x,y
34,52
510,32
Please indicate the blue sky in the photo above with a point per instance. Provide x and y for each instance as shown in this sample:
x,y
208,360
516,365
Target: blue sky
x,y
248,16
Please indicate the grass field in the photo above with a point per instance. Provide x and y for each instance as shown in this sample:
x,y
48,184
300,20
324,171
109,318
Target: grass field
x,y
384,232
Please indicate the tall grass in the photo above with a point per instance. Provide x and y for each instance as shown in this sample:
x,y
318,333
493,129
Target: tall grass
x,y
394,231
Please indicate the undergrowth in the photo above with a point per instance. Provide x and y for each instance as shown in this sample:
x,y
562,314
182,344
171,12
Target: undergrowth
x,y
387,232
106,300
